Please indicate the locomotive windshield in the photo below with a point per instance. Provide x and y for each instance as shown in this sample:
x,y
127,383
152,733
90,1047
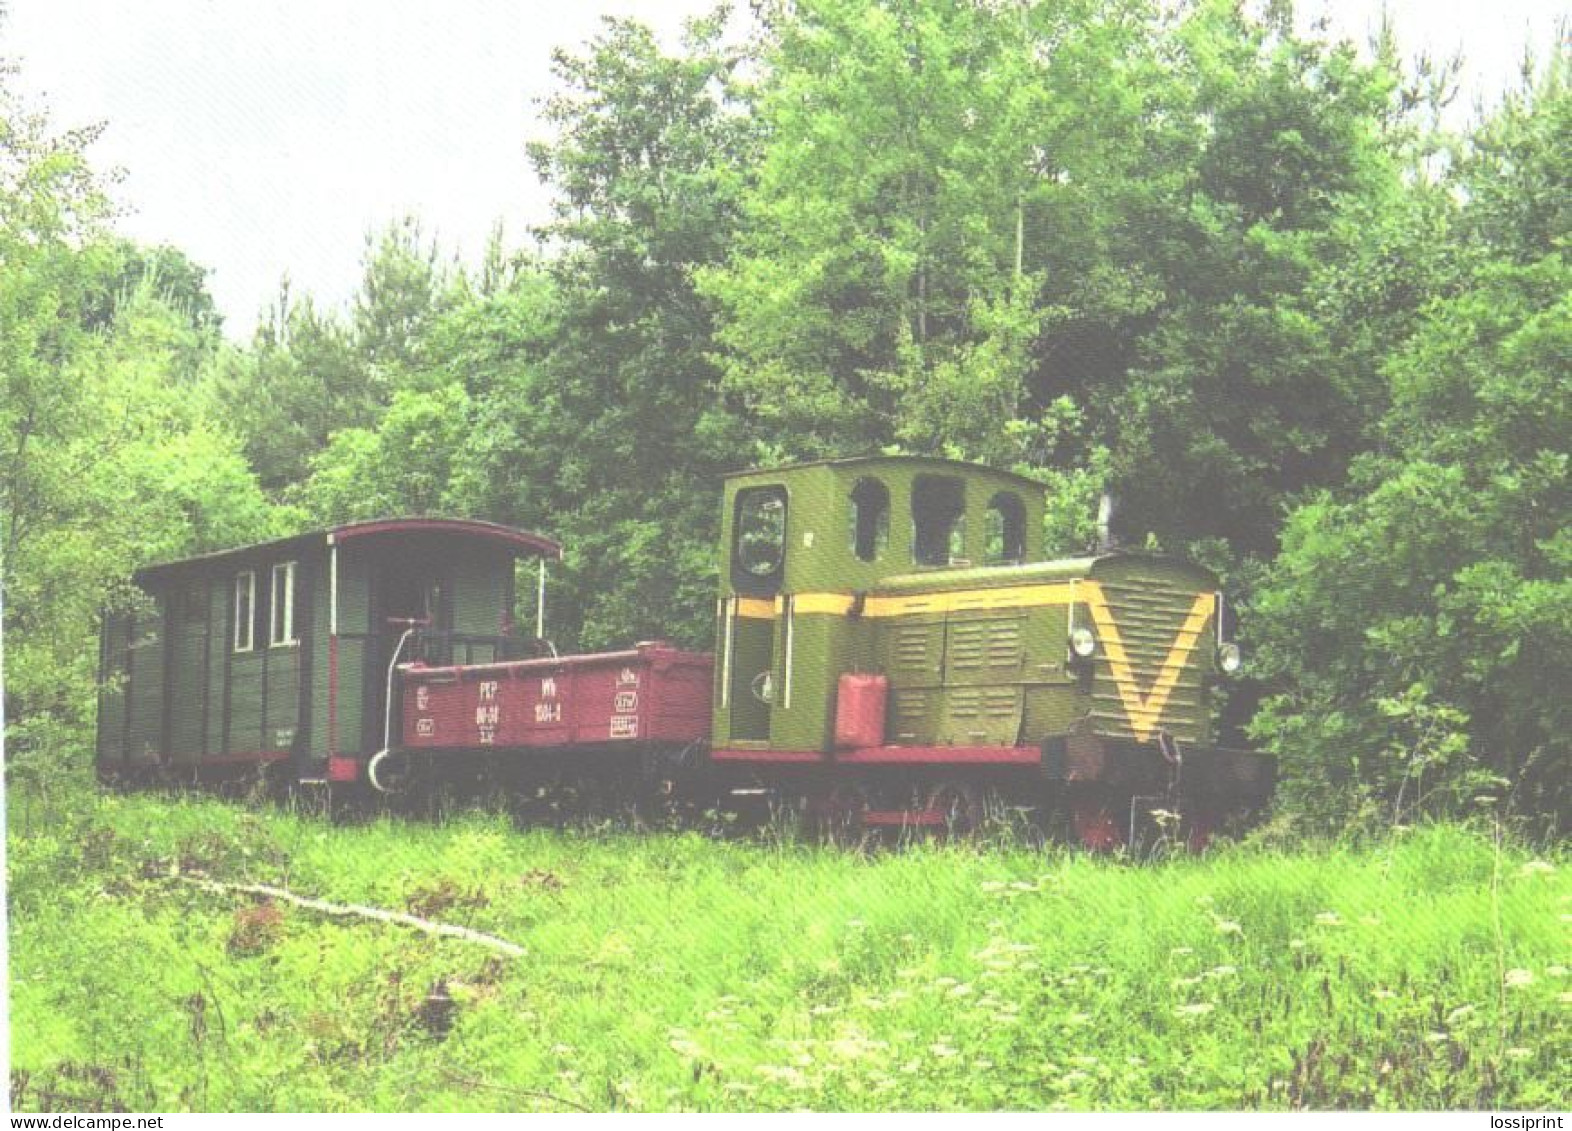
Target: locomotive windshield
x,y
938,520
760,547
870,519
1004,530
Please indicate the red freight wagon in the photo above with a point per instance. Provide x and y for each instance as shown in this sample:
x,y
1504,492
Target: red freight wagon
x,y
653,693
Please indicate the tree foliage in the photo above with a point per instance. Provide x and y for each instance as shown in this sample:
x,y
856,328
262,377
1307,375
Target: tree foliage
x,y
107,459
624,431
1432,595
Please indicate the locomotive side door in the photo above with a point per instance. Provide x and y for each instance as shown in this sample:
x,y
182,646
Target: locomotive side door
x,y
758,568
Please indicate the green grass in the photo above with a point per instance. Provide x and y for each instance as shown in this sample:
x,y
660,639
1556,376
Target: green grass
x,y
669,971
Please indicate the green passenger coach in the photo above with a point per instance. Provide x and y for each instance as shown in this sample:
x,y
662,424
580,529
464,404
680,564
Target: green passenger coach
x,y
277,655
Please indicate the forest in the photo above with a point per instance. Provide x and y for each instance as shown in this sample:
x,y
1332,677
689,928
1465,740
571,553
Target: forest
x,y
1250,280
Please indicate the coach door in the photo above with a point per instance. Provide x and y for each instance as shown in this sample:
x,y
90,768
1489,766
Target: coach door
x,y
407,591
187,659
758,567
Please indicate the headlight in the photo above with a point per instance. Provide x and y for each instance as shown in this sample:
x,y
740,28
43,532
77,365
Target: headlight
x,y
1229,658
1083,643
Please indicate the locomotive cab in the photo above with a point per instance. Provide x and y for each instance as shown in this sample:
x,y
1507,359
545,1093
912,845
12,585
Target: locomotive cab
x,y
803,550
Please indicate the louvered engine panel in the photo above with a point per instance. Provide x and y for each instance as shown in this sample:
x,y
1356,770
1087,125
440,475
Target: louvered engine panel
x,y
984,716
913,651
983,650
914,714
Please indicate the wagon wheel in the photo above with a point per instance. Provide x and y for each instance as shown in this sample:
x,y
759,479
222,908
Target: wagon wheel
x,y
838,814
277,781
392,772
1097,824
1199,828
962,805
588,799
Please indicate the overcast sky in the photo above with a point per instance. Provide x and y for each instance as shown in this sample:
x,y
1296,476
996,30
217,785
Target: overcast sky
x,y
266,136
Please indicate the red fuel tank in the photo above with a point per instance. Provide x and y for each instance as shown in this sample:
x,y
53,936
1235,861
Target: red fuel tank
x,y
859,710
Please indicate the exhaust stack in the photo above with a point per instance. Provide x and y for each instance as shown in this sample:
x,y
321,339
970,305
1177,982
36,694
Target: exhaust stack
x,y
1106,506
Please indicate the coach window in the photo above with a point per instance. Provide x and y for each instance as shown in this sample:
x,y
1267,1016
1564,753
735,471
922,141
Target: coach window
x,y
759,549
245,609
282,606
1004,529
870,519
938,520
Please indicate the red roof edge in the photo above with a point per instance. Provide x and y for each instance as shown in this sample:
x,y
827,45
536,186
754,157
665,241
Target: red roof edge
x,y
536,544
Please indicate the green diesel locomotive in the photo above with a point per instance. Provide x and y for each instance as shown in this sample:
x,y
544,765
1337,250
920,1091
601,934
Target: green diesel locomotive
x,y
892,646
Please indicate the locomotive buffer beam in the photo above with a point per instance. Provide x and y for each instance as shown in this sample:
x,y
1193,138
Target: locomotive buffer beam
x,y
1216,775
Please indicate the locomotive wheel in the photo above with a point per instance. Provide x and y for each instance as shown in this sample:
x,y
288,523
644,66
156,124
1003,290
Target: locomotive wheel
x,y
962,805
838,814
1097,824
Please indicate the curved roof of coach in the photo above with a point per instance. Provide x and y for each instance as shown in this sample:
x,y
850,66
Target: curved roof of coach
x,y
522,542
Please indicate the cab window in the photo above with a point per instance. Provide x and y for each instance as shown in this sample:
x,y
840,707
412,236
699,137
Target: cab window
x,y
938,520
1004,529
759,542
870,519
